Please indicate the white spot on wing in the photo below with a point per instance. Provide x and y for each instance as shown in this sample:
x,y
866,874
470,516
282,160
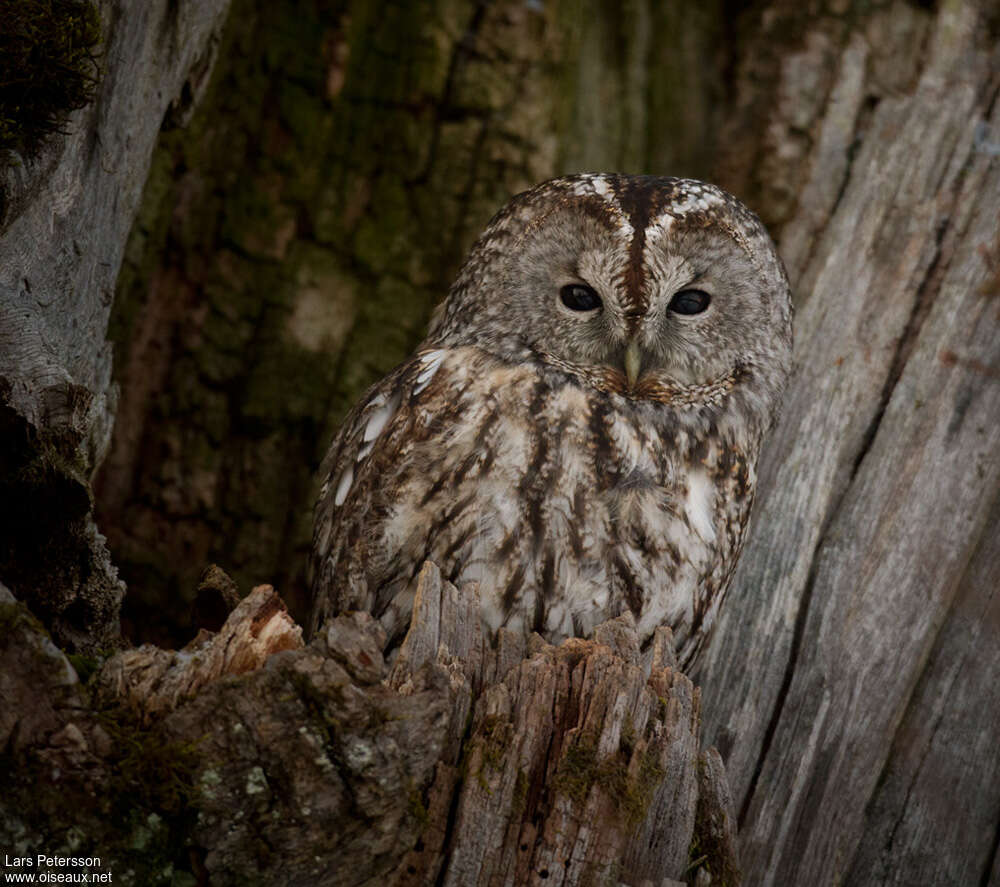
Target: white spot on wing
x,y
432,363
344,486
700,505
378,419
695,199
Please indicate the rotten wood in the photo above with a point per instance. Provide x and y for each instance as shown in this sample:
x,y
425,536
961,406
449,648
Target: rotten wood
x,y
151,682
460,763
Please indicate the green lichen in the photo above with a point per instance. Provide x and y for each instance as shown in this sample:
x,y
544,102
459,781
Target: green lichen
x,y
418,809
48,68
86,666
520,799
10,617
578,771
492,739
628,738
639,791
152,773
581,769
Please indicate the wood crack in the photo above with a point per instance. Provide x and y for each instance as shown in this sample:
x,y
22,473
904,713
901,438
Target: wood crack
x,y
918,313
462,50
929,286
984,879
944,242
786,682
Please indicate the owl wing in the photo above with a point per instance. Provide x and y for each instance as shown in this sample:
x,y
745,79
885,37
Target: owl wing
x,y
372,439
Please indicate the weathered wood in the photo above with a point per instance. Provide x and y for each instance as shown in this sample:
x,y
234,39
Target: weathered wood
x,y
561,765
933,814
580,765
67,218
150,682
880,481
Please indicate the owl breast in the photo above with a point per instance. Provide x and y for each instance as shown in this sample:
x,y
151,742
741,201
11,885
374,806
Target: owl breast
x,y
567,505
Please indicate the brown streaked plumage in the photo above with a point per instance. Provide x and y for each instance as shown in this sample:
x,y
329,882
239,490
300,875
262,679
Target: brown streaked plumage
x,y
573,435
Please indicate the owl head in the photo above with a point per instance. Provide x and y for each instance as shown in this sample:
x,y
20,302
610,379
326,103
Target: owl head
x,y
657,289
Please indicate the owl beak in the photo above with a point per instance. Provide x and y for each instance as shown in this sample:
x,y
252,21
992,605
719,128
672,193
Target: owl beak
x,y
633,363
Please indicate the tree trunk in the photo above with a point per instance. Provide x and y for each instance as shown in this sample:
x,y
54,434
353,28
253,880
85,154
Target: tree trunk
x,y
66,217
297,226
852,682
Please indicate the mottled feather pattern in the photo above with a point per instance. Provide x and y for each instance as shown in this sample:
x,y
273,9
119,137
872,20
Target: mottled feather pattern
x,y
524,459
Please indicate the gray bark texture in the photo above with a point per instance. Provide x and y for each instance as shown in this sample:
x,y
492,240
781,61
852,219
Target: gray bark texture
x,y
66,219
851,686
852,680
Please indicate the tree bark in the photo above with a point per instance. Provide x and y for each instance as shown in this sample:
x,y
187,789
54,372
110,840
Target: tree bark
x,y
66,217
843,661
462,763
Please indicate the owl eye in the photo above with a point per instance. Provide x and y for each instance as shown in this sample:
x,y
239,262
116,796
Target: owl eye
x,y
579,297
689,302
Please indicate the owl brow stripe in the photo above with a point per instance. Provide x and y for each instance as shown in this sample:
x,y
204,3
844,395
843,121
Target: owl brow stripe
x,y
635,282
640,201
597,208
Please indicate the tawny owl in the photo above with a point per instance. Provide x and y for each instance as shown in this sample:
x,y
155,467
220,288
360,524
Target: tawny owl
x,y
579,431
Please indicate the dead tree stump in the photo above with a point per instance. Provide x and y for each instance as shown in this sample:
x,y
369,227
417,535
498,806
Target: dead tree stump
x,y
249,758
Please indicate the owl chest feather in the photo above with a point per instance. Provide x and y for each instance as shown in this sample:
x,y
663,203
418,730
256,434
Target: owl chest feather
x,y
566,505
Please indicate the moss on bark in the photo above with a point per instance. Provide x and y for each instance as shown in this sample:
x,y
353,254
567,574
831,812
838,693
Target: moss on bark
x,y
48,68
